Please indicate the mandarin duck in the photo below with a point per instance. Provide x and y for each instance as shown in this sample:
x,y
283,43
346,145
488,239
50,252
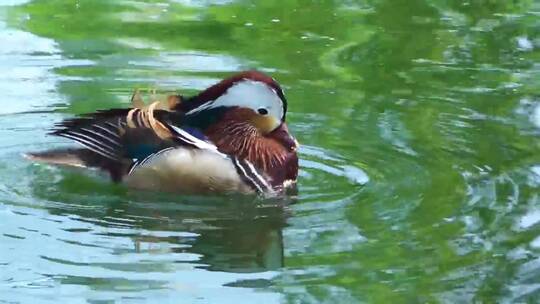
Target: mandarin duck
x,y
231,137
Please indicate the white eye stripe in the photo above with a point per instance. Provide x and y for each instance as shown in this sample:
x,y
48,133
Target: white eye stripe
x,y
249,94
204,106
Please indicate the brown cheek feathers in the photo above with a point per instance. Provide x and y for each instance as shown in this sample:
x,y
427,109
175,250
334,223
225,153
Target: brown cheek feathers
x,y
273,153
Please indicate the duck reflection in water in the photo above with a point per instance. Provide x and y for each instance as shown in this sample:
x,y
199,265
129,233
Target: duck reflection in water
x,y
230,234
234,237
248,243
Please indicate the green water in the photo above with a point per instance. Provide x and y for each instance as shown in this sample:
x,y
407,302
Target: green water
x,y
420,167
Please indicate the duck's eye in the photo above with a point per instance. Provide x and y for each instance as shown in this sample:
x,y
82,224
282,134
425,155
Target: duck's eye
x,y
262,111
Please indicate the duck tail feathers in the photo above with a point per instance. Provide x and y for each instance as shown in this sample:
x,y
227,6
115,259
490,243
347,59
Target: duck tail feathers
x,y
81,158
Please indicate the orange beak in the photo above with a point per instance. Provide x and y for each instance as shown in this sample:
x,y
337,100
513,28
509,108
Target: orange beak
x,y
282,135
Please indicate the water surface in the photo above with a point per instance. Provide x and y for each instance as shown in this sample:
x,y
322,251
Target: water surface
x,y
419,122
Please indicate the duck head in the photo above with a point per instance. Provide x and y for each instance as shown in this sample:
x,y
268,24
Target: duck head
x,y
252,96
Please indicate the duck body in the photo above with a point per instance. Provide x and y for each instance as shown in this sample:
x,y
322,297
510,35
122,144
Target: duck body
x,y
202,172
230,138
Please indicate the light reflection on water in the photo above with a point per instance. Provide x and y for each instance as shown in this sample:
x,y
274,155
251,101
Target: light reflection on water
x,y
418,124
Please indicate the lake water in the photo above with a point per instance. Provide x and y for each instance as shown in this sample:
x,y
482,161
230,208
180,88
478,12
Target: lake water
x,y
420,162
